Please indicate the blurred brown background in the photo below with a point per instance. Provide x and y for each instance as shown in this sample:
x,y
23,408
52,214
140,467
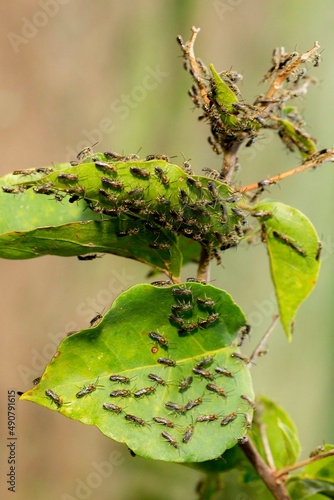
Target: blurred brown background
x,y
74,73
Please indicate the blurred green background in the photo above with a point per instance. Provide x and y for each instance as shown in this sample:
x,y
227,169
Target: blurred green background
x,y
76,72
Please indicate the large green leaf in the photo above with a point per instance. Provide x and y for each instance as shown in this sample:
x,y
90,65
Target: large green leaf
x,y
27,210
158,193
79,238
121,345
294,251
32,225
315,480
280,431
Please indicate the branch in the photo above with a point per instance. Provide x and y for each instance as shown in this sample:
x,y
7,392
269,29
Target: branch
x,y
203,266
188,48
286,470
283,74
314,161
262,342
277,488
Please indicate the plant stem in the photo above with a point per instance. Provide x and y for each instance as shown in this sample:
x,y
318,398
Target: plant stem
x,y
289,468
315,160
262,342
231,160
267,475
203,266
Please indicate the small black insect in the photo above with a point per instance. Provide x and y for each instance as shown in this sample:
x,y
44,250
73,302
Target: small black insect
x,y
229,418
112,154
157,157
166,361
96,319
207,418
193,182
87,151
162,283
241,357
164,421
144,392
158,338
87,390
176,319
244,332
120,393
204,362
68,177
223,371
182,307
261,214
203,373
113,408
135,420
249,401
39,190
185,384
140,172
183,197
213,190
218,390
186,328
162,176
189,433
207,302
119,378
156,378
113,184
170,439
182,292
192,404
105,166
55,398
175,407
290,243
208,321
265,182
88,257
317,257
136,191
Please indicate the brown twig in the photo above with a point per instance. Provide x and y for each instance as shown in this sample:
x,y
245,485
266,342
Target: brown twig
x,y
262,342
189,46
277,488
315,160
204,265
289,468
283,74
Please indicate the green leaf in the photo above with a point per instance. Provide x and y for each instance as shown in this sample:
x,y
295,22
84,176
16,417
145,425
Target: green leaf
x,y
157,193
32,226
294,137
315,480
27,210
294,251
225,98
121,345
280,431
84,237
